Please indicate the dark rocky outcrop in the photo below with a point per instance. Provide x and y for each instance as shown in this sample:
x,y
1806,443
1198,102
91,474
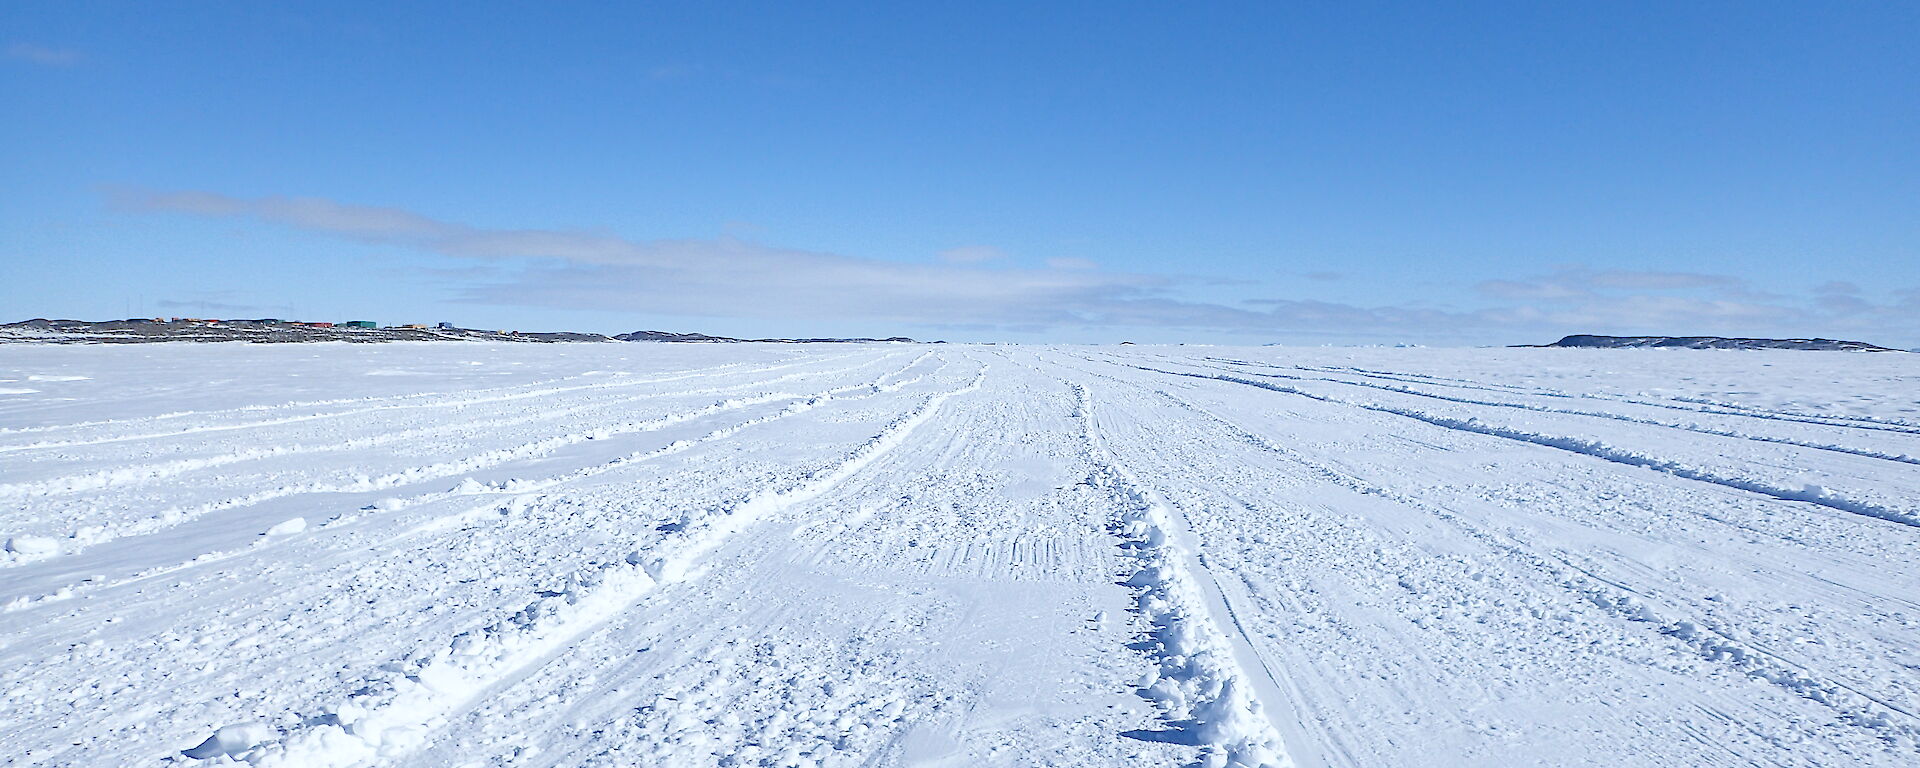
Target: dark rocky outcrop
x,y
701,338
1710,342
272,331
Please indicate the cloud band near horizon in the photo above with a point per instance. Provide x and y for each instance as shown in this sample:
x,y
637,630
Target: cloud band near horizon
x,y
978,287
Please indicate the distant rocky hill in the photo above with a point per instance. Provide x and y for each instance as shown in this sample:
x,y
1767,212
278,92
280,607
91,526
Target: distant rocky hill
x,y
703,338
266,331
1710,342
275,331
671,336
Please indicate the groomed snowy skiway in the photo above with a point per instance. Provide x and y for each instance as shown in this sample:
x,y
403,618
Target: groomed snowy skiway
x,y
419,554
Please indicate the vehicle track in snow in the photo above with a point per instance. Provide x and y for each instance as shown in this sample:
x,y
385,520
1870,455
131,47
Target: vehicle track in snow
x,y
472,537
934,555
137,473
395,713
1693,405
1807,494
392,481
348,513
1851,703
913,576
1698,428
380,405
1197,649
1645,621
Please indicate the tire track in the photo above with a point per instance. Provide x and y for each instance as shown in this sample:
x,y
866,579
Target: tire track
x,y
455,403
98,534
1697,428
76,425
1198,681
396,713
140,474
516,486
1714,407
1809,494
1852,705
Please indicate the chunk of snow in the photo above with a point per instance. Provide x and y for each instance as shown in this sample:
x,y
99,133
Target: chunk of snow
x,y
296,525
231,740
33,546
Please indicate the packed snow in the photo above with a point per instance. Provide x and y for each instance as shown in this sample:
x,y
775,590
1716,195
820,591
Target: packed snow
x,y
441,554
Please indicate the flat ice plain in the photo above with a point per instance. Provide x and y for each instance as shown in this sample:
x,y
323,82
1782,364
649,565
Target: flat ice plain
x,y
943,555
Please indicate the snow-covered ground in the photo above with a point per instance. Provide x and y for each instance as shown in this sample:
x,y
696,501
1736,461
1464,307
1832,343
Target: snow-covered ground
x,y
943,555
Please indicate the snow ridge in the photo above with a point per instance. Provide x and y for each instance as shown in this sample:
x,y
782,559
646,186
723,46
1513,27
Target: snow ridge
x,y
471,487
94,535
1811,494
396,712
1196,682
1700,428
1713,407
1852,705
699,541
161,470
401,402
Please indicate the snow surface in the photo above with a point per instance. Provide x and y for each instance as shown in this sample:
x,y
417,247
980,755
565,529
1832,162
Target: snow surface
x,y
942,555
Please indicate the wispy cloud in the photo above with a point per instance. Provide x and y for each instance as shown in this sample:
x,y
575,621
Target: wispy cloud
x,y
719,277
216,301
976,287
1578,281
43,55
972,254
205,306
1663,302
359,222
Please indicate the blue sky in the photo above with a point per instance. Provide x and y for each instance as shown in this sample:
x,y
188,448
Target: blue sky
x,y
1294,172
